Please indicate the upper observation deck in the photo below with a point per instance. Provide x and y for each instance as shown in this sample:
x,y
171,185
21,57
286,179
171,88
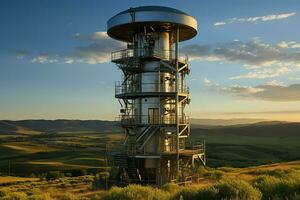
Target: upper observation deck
x,y
124,25
128,59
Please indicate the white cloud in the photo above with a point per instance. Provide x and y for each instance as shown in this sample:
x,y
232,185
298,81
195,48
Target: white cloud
x,y
262,60
264,73
291,44
98,50
92,37
241,90
256,19
206,82
275,83
43,59
268,92
69,61
260,65
283,44
295,46
294,78
219,23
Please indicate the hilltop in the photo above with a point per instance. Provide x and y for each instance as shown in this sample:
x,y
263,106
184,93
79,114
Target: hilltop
x,y
50,126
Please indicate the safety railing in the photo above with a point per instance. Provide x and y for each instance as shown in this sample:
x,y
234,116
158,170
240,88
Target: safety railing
x,y
183,148
146,53
122,54
149,87
170,147
198,148
155,120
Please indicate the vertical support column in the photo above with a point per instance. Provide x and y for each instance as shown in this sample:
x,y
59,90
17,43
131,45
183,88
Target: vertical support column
x,y
177,102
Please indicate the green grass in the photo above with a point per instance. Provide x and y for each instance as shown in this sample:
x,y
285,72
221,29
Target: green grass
x,y
280,181
56,151
243,151
37,151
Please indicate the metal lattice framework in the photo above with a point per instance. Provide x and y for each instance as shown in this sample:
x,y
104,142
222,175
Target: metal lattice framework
x,y
153,95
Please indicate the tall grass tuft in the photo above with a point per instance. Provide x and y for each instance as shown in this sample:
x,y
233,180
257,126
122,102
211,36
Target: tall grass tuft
x,y
236,189
284,187
224,189
136,192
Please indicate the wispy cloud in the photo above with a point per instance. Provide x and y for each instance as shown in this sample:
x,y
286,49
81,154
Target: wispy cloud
x,y
260,59
97,50
267,92
267,112
291,44
256,19
206,82
264,73
43,59
271,91
254,52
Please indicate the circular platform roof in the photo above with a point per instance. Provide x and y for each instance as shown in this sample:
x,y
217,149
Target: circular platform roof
x,y
123,25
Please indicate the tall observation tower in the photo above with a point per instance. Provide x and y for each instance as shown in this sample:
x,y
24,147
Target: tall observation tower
x,y
153,94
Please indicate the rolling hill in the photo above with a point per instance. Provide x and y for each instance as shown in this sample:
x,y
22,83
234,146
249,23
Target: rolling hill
x,y
50,126
41,145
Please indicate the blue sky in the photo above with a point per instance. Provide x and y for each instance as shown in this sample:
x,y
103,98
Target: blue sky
x,y
54,59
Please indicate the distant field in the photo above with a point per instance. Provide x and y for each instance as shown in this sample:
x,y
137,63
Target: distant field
x,y
62,151
245,150
64,145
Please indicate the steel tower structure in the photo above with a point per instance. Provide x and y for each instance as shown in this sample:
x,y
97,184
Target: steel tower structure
x,y
153,94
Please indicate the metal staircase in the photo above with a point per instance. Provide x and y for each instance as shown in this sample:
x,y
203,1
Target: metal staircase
x,y
146,134
120,160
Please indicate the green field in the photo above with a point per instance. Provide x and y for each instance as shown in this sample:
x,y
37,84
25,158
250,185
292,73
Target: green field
x,y
60,151
242,151
34,146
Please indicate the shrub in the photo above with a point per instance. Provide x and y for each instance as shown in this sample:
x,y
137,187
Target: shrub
x,y
224,189
54,175
195,193
4,192
170,187
44,196
68,196
15,196
78,172
287,187
135,192
236,189
214,174
186,193
201,170
207,193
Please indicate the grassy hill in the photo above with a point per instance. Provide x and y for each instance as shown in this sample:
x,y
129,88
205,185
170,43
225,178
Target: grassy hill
x,y
276,181
37,146
50,126
251,144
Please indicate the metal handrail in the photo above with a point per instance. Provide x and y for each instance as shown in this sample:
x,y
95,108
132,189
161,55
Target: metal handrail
x,y
198,148
121,88
147,52
145,119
